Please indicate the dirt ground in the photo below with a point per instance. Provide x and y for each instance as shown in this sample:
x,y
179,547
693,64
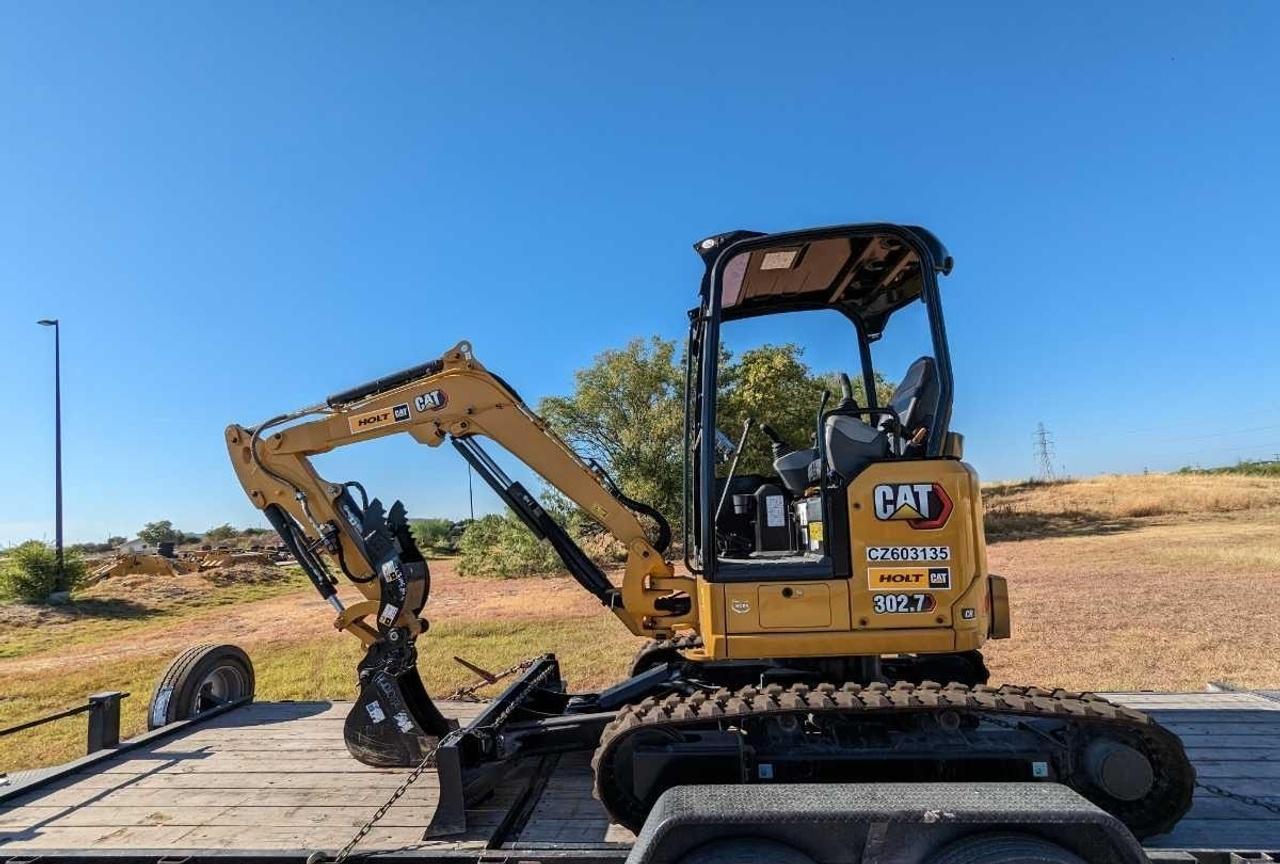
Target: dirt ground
x,y
1168,604
297,616
1161,607
1102,599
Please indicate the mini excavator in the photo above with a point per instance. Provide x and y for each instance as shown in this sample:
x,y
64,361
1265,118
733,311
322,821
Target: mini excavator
x,y
826,626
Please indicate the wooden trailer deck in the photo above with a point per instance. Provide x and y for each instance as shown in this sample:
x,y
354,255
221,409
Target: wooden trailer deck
x,y
276,776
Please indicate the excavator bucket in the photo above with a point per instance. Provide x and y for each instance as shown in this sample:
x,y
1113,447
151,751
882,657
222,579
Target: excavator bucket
x,y
394,723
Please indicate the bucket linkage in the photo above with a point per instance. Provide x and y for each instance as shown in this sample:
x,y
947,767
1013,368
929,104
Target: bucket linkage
x,y
394,723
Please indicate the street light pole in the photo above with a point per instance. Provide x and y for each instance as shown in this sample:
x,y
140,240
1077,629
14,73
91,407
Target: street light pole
x,y
61,583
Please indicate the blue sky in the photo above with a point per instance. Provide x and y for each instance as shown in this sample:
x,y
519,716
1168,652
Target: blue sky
x,y
238,208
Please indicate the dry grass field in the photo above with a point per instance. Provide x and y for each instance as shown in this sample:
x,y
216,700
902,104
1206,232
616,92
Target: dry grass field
x,y
1160,582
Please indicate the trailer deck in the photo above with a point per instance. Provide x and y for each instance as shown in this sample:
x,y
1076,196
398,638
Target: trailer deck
x,y
276,776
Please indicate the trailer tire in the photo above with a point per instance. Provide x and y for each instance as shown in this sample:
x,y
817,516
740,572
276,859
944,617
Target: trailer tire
x,y
199,679
745,851
1005,849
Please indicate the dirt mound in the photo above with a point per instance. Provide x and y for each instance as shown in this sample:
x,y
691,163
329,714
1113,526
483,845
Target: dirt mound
x,y
140,593
138,586
144,588
245,574
15,615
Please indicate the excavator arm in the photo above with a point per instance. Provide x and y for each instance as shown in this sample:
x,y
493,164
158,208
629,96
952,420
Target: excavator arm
x,y
453,398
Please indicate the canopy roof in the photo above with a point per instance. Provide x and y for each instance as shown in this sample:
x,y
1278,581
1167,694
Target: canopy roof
x,y
865,271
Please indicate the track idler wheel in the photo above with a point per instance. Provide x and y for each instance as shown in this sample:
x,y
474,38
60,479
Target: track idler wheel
x,y
394,723
1119,770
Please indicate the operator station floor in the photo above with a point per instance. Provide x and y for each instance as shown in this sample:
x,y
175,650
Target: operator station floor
x,y
276,775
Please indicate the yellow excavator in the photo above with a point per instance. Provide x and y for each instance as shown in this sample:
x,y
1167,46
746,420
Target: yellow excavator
x,y
827,621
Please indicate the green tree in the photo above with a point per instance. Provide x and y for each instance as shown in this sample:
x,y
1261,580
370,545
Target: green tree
x,y
884,387
30,571
220,533
772,384
768,384
89,548
155,533
501,546
627,412
432,533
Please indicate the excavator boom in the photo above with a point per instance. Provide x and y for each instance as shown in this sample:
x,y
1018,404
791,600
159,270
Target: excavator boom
x,y
453,398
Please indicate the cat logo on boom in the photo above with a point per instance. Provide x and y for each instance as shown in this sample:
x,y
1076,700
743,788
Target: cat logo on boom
x,y
920,505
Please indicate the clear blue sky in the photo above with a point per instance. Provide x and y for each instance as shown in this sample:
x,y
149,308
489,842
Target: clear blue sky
x,y
238,208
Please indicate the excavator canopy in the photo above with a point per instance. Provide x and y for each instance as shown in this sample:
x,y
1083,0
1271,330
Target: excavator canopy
x,y
866,271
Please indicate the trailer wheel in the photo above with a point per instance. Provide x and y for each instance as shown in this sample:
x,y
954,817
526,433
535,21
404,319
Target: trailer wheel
x,y
746,851
200,679
1005,849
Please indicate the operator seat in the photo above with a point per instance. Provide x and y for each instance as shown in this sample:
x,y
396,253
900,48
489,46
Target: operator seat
x,y
849,442
852,444
915,403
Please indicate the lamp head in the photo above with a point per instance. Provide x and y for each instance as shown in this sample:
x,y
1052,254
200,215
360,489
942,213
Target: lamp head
x,y
48,322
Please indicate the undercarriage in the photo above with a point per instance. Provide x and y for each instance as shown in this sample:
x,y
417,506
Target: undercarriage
x,y
668,727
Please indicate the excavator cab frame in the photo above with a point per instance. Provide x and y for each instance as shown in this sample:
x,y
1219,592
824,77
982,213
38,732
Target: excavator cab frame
x,y
866,272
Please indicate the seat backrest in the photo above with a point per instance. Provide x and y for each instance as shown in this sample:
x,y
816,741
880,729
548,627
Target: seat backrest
x,y
852,445
915,402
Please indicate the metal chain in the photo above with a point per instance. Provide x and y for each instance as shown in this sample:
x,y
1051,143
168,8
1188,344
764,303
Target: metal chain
x,y
345,852
1237,796
427,762
468,693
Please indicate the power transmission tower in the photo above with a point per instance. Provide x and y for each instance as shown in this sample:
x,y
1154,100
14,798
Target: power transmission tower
x,y
1044,453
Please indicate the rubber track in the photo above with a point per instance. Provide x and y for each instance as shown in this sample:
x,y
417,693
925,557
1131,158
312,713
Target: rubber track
x,y
675,643
1154,814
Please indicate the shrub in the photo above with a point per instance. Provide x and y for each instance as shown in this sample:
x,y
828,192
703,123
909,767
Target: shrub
x,y
502,547
1250,467
90,548
30,572
433,533
155,533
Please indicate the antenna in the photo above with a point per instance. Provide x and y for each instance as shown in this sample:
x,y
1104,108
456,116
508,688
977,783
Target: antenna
x,y
1044,453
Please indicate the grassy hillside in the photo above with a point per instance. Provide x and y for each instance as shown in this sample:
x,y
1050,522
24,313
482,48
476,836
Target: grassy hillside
x,y
1114,502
